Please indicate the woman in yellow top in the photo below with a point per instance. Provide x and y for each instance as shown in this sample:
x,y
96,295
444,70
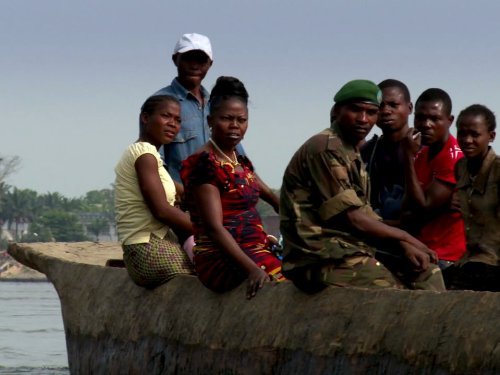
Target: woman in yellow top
x,y
150,227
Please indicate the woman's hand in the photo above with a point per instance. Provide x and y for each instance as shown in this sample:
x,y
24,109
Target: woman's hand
x,y
273,241
179,193
187,246
256,280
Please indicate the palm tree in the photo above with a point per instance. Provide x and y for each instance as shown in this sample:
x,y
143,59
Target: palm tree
x,y
8,165
64,226
98,226
102,202
4,188
19,208
52,200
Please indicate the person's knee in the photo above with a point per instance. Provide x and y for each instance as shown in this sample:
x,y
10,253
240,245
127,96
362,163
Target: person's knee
x,y
361,271
430,279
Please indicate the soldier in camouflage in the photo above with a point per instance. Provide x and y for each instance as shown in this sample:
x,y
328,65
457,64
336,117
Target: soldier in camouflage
x,y
329,228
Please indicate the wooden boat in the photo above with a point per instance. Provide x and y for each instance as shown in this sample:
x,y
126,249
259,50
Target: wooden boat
x,y
115,327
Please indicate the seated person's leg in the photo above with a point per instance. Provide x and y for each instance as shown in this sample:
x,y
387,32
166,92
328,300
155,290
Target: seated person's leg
x,y
220,273
352,271
155,262
430,279
217,271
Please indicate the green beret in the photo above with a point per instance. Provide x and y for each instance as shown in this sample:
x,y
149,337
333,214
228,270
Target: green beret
x,y
359,90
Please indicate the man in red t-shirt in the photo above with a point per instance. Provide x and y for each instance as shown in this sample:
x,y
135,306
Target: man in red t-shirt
x,y
430,179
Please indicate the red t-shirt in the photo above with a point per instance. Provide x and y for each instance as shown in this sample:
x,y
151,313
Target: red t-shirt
x,y
445,233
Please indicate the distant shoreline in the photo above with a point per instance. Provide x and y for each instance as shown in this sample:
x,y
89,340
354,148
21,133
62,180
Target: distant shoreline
x,y
12,270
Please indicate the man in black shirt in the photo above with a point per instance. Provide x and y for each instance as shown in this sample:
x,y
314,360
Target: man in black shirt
x,y
383,155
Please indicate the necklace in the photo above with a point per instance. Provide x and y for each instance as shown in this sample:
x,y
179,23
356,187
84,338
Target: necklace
x,y
234,162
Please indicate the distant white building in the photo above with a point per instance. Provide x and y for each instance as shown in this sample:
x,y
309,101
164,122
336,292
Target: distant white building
x,y
5,234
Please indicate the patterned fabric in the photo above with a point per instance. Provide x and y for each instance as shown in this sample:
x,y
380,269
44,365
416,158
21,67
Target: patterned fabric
x,y
239,192
218,272
352,271
480,204
443,233
362,271
156,262
403,270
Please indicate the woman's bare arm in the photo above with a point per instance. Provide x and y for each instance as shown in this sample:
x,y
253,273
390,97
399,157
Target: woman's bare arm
x,y
153,193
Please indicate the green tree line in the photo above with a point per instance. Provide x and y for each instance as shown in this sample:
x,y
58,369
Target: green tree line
x,y
33,217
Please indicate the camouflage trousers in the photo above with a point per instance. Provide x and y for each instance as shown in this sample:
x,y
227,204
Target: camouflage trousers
x,y
365,271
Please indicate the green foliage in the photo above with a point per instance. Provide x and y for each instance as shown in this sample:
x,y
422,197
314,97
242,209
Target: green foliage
x,y
64,226
19,207
58,201
31,217
102,201
4,188
3,244
98,211
37,232
99,225
8,165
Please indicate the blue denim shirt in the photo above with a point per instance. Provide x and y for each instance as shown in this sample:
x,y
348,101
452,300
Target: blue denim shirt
x,y
194,131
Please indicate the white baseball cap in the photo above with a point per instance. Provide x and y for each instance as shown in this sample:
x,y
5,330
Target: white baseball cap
x,y
190,42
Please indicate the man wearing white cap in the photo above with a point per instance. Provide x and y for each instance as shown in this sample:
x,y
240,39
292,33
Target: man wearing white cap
x,y
193,58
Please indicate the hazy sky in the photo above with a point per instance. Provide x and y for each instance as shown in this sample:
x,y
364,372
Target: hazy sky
x,y
74,74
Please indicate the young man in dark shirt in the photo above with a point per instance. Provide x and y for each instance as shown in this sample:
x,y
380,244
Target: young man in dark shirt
x,y
383,154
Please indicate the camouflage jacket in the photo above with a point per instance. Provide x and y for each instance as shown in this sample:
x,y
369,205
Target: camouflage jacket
x,y
480,204
325,177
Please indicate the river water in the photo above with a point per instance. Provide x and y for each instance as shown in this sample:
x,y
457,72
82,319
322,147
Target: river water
x,y
31,329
